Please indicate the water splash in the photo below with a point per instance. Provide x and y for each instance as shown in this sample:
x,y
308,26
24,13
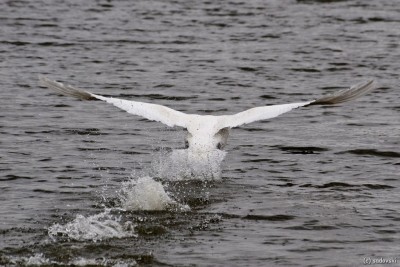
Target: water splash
x,y
137,194
39,259
144,193
103,262
147,194
96,228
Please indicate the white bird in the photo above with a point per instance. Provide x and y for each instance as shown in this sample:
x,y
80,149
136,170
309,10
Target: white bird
x,y
206,133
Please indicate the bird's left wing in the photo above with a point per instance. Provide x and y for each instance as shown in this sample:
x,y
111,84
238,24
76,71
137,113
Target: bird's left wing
x,y
268,112
152,112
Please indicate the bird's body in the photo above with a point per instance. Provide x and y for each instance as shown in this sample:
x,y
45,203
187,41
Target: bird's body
x,y
207,133
204,133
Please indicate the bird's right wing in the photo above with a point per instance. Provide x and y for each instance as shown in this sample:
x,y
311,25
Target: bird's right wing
x,y
257,114
152,112
268,112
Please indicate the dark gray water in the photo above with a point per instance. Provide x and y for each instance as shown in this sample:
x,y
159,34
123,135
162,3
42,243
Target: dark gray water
x,y
314,187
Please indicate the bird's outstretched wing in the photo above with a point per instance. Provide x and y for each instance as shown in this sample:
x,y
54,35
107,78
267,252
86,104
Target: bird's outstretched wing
x,y
268,112
149,111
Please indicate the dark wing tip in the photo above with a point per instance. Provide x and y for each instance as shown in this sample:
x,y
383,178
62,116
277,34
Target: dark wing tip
x,y
346,95
65,89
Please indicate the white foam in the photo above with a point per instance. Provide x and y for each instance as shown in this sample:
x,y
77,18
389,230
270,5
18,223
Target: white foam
x,y
39,259
96,227
103,262
147,194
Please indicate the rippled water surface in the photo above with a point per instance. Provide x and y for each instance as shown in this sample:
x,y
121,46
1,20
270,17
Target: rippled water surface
x,y
83,183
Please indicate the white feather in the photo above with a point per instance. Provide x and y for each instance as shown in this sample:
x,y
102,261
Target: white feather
x,y
206,132
257,114
153,112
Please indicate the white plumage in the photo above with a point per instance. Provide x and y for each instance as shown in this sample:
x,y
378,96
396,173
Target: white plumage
x,y
206,132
